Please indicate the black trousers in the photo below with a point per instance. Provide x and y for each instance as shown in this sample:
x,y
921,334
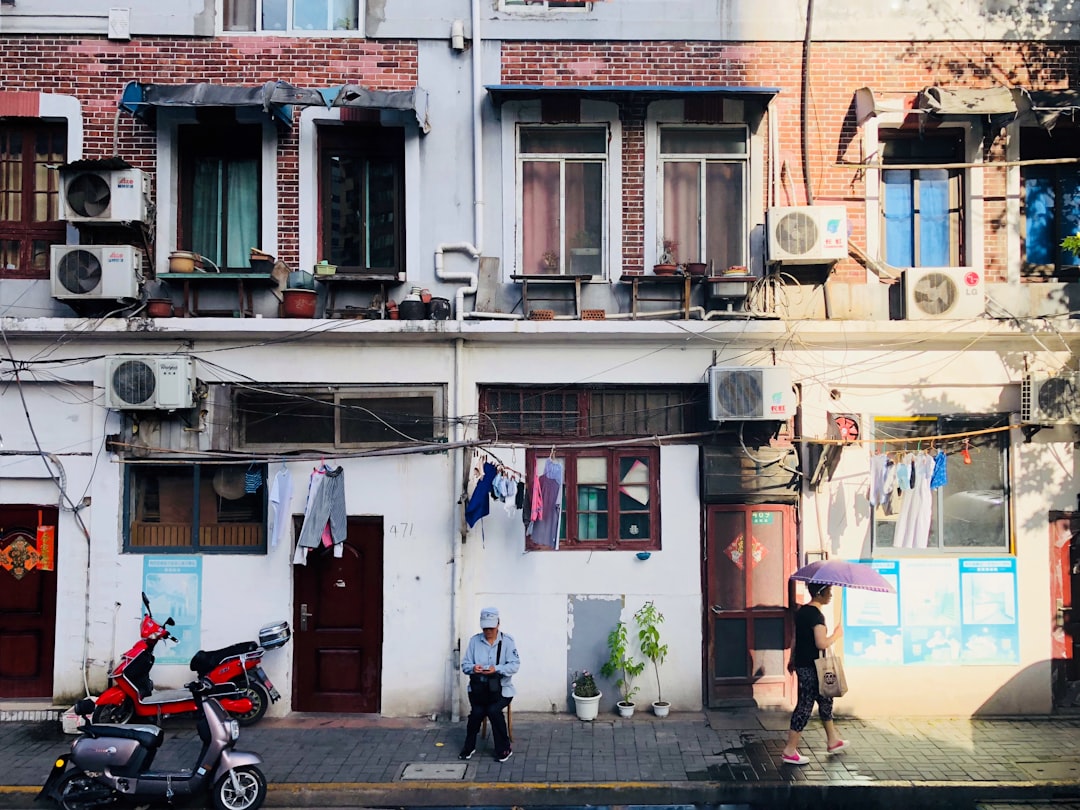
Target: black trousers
x,y
494,713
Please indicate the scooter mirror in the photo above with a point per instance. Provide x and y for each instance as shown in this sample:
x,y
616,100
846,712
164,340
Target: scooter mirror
x,y
146,602
84,707
169,622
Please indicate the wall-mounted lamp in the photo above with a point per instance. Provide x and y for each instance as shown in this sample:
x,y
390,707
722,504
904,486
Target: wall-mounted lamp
x,y
457,35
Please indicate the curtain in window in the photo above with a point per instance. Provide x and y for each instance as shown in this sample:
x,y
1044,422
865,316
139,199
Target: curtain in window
x,y
682,208
934,230
724,229
225,195
243,212
206,209
899,218
239,15
540,223
1039,245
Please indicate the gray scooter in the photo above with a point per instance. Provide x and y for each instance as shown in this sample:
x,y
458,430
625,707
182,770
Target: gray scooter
x,y
110,764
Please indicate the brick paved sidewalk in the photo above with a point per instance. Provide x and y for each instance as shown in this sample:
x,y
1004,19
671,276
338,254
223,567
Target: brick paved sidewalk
x,y
687,758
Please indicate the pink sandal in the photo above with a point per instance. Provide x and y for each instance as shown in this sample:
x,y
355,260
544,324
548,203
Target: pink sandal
x,y
837,747
795,759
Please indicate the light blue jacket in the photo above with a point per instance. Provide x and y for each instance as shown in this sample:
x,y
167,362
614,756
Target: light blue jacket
x,y
480,652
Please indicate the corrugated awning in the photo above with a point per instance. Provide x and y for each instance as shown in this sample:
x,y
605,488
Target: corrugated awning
x,y
506,92
274,98
355,95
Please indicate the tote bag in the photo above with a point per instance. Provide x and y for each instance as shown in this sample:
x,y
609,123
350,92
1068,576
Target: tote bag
x,y
830,676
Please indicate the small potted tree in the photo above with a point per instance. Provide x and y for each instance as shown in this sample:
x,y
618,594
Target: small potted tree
x,y
586,696
648,620
621,662
667,261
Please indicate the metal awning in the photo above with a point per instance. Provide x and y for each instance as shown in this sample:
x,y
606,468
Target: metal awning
x,y
274,98
355,95
993,102
1046,106
507,92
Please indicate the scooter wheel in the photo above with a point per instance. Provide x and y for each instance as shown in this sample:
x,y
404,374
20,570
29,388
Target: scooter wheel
x,y
242,788
77,791
260,702
114,712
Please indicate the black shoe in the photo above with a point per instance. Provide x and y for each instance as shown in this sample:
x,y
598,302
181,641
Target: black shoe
x,y
505,755
466,753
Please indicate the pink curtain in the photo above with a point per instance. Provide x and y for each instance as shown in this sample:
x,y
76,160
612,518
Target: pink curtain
x,y
540,248
682,209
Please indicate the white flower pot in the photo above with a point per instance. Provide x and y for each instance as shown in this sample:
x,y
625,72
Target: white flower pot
x,y
625,708
587,707
661,709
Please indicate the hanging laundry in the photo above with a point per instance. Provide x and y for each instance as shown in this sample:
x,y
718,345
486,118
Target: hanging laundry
x,y
888,504
253,480
916,509
544,530
479,504
878,465
325,515
903,472
280,502
940,476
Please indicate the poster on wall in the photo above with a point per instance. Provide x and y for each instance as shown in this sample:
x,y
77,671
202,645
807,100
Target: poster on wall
x,y
174,587
988,608
872,621
930,611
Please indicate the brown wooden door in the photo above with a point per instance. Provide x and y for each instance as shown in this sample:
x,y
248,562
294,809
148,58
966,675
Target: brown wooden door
x,y
27,605
749,555
338,620
1065,619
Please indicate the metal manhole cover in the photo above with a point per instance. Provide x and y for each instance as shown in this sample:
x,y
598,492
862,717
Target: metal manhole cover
x,y
443,771
1061,769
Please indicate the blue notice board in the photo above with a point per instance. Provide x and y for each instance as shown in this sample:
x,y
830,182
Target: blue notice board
x,y
173,584
945,611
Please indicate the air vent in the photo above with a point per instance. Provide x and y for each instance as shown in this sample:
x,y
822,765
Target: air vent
x,y
750,392
1050,400
942,293
807,234
155,382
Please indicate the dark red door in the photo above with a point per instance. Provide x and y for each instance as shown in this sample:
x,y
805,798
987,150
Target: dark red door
x,y
27,605
1065,617
749,555
338,620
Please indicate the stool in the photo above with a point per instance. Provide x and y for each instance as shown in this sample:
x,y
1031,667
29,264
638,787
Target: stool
x,y
509,723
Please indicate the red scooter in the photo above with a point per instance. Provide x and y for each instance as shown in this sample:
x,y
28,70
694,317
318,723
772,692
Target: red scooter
x,y
132,694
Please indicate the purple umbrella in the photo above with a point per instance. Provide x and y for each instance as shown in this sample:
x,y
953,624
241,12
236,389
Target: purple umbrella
x,y
843,573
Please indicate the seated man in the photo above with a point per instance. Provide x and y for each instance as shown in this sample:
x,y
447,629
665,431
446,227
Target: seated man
x,y
490,661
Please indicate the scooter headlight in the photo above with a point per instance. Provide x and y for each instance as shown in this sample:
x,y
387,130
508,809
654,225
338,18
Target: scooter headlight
x,y
234,730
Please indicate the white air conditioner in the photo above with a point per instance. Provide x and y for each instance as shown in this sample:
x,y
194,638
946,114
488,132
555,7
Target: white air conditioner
x,y
95,271
104,195
943,293
1046,400
750,392
807,234
152,382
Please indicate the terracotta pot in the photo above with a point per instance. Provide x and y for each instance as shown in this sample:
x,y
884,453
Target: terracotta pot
x,y
299,303
696,268
159,308
665,269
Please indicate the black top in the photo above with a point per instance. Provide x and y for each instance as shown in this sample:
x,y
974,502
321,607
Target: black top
x,y
806,650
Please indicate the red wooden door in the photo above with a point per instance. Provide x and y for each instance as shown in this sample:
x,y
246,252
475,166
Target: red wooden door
x,y
27,605
1064,620
338,620
749,555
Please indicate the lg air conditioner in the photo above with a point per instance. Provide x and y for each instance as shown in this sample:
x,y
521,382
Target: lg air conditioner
x,y
807,234
750,392
1046,400
95,272
151,382
104,196
942,293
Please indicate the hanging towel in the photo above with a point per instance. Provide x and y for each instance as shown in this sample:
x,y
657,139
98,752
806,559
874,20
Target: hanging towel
x,y
545,529
941,474
479,504
253,480
280,499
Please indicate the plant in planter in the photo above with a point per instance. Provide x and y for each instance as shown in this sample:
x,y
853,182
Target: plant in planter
x,y
586,696
648,620
667,261
621,662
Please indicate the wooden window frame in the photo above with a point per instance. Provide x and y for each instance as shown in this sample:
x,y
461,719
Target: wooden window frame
x,y
27,232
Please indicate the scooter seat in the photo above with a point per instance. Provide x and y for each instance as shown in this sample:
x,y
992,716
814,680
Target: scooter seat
x,y
150,736
205,660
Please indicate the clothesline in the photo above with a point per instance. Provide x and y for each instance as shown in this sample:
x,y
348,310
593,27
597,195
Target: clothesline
x,y
913,439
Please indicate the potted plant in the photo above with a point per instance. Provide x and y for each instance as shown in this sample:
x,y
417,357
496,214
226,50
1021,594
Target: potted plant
x,y
648,620
586,696
667,261
621,662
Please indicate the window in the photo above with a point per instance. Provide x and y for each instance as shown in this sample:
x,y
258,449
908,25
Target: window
x,y
291,15
30,152
1051,203
363,198
220,196
298,418
184,508
579,412
971,511
562,173
544,5
922,208
703,193
609,497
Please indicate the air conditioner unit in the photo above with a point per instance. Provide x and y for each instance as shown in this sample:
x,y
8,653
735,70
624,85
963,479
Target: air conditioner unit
x,y
807,234
943,293
750,392
104,195
95,271
152,382
1046,400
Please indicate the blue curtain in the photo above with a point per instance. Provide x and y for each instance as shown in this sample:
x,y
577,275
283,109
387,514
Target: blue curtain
x,y
899,218
1039,215
1070,213
232,187
243,213
934,218
206,210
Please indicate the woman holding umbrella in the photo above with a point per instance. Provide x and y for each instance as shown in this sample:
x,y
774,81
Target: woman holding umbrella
x,y
811,636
